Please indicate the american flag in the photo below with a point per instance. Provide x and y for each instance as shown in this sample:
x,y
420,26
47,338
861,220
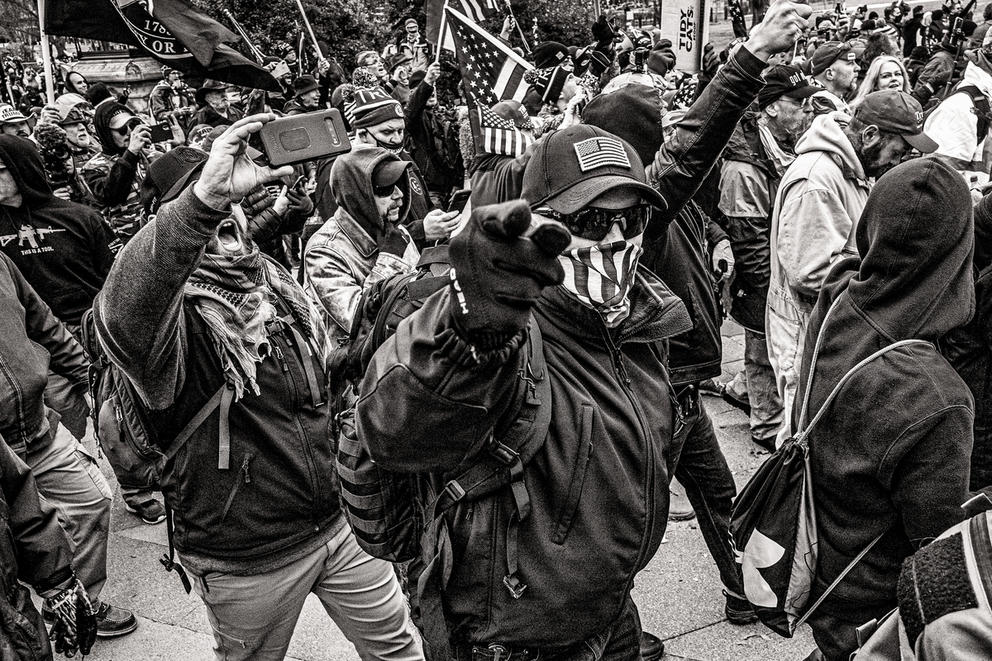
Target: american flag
x,y
600,152
737,18
491,72
496,135
437,28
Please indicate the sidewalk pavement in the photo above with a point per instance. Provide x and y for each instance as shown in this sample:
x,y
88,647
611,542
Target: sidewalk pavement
x,y
678,593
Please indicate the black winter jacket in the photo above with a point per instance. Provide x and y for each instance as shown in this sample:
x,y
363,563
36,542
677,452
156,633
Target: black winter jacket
x,y
277,501
599,484
433,142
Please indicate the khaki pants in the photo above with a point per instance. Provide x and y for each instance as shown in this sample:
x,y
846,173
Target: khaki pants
x,y
253,617
69,479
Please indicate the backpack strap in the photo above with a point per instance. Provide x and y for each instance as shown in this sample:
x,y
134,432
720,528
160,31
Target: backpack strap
x,y
982,109
803,429
224,393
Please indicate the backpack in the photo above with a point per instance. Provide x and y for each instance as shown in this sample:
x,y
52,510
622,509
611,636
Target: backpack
x,y
125,434
773,522
400,517
980,106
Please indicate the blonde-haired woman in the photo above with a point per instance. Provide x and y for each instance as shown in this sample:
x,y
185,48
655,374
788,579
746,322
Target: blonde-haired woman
x,y
884,73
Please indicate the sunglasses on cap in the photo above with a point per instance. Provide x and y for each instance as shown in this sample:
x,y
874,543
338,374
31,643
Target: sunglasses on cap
x,y
594,223
129,125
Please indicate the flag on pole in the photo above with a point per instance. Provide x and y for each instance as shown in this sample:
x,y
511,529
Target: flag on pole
x,y
491,72
171,31
737,19
438,32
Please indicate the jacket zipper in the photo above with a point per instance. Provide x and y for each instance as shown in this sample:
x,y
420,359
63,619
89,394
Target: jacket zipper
x,y
625,381
246,478
307,451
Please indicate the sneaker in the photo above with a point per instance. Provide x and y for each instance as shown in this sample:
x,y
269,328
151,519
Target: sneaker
x,y
151,511
735,400
739,611
652,648
112,621
679,508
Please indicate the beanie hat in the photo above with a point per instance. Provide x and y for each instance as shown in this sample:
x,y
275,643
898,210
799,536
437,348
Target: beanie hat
x,y
371,107
547,82
634,113
363,78
304,84
549,54
661,59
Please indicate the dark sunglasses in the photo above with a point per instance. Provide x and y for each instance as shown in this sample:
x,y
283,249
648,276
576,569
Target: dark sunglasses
x,y
594,224
383,191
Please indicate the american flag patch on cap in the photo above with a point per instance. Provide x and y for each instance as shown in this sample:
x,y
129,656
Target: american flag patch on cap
x,y
601,152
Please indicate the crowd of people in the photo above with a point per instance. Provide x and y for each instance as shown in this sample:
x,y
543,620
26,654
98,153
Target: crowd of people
x,y
217,323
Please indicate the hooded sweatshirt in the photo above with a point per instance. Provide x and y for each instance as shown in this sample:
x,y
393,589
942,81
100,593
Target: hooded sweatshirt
x,y
892,453
342,259
816,210
115,175
954,127
62,248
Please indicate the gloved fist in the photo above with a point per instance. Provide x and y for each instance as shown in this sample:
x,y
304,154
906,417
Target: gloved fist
x,y
498,273
391,239
75,620
602,32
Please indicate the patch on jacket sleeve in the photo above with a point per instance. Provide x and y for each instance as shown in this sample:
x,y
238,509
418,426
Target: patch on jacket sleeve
x,y
933,583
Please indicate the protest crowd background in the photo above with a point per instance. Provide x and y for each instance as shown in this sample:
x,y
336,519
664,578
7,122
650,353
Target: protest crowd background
x,y
421,308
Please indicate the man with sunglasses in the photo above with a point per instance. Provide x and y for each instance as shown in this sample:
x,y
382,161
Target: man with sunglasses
x,y
553,579
114,175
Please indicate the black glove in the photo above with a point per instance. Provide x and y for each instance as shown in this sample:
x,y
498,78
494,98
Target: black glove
x,y
391,239
300,203
497,275
75,620
599,62
662,57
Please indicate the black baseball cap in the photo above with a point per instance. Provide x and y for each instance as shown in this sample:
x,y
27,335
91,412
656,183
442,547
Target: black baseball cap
x,y
572,167
783,80
388,171
896,112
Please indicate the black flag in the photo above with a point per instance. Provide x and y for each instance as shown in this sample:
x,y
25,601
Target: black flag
x,y
171,31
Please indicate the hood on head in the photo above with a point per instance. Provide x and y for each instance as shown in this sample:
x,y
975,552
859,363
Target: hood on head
x,y
351,181
101,123
915,238
826,134
26,167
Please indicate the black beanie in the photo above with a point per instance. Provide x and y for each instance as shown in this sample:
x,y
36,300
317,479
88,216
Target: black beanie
x,y
634,113
549,54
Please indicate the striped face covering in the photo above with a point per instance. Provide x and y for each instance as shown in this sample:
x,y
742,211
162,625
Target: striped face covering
x,y
601,276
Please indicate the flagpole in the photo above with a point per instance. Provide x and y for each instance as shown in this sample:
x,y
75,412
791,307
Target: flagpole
x,y
439,46
244,36
306,21
520,31
46,54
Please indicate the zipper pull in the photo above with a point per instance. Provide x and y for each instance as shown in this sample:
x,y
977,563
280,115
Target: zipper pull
x,y
244,468
281,357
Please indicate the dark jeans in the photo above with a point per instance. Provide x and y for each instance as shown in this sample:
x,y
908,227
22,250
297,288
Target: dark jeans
x,y
702,470
618,642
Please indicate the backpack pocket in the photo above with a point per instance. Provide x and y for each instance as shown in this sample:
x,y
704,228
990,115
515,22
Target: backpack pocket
x,y
582,457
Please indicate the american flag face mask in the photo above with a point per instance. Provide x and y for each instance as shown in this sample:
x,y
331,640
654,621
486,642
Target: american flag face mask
x,y
601,276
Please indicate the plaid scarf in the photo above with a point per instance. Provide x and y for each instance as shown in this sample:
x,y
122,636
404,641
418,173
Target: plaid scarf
x,y
232,296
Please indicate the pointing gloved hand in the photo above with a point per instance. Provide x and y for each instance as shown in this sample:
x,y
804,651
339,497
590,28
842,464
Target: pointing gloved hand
x,y
75,620
499,270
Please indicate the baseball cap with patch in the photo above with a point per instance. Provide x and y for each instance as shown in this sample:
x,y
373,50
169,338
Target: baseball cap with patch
x,y
784,80
828,53
11,115
896,112
572,167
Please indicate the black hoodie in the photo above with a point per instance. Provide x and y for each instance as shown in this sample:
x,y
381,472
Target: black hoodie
x,y
61,247
892,453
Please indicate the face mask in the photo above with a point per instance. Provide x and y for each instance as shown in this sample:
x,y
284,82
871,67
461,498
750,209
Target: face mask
x,y
601,276
392,149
